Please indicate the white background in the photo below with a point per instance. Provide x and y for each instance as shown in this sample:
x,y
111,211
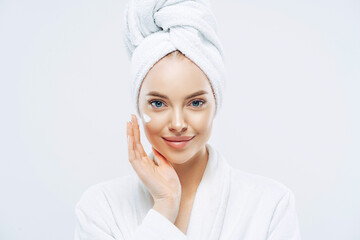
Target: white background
x,y
291,110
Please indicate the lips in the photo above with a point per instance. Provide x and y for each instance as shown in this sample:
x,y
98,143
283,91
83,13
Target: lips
x,y
178,139
178,142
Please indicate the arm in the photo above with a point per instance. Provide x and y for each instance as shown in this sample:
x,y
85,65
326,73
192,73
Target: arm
x,y
95,221
284,223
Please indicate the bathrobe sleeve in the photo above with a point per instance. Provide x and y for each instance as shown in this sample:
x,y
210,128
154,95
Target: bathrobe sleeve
x,y
284,223
95,221
156,226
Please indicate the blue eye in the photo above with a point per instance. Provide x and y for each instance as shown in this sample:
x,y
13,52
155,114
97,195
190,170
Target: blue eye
x,y
197,103
158,104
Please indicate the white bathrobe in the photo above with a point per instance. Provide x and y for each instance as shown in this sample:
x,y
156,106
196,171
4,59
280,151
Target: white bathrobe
x,y
229,205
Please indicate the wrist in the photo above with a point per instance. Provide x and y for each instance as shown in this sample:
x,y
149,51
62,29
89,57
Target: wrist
x,y
167,208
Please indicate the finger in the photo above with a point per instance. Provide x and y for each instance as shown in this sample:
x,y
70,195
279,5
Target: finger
x,y
127,131
156,159
135,161
144,156
160,158
137,155
156,162
131,132
130,143
136,129
132,146
136,134
139,165
141,150
138,152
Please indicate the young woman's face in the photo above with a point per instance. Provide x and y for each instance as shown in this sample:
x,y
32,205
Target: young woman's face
x,y
176,100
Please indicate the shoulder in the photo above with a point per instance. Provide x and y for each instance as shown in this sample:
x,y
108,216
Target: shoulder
x,y
262,186
122,185
118,190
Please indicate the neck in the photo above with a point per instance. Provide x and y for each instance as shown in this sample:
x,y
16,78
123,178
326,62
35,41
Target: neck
x,y
191,172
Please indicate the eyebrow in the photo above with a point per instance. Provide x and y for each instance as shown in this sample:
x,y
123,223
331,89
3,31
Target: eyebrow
x,y
157,94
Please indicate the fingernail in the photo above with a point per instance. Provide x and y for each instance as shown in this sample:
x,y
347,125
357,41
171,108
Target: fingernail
x,y
156,161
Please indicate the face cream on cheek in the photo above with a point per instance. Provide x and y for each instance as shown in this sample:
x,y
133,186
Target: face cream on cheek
x,y
146,118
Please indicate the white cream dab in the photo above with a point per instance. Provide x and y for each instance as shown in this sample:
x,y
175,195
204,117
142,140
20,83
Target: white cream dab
x,y
146,118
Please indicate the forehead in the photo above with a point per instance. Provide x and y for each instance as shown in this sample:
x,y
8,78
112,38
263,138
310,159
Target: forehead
x,y
175,77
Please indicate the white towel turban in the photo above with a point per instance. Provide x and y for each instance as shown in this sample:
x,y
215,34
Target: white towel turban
x,y
154,28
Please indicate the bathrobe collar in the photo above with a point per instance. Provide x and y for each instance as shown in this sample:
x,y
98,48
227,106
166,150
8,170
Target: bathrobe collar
x,y
211,198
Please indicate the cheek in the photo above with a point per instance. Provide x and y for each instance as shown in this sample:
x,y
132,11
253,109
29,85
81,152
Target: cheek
x,y
154,129
154,123
201,121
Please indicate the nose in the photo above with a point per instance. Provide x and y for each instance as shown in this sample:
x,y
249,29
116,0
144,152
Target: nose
x,y
177,123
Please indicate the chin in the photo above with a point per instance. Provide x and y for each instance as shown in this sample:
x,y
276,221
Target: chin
x,y
176,160
178,157
174,157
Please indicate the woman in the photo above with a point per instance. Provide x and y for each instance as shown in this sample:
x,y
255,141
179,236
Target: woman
x,y
184,189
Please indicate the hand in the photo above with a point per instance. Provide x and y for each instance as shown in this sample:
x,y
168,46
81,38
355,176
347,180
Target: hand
x,y
160,179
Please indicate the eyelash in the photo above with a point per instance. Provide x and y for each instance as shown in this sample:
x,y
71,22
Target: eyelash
x,y
195,100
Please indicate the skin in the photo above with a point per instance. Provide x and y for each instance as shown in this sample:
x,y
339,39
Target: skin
x,y
174,180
